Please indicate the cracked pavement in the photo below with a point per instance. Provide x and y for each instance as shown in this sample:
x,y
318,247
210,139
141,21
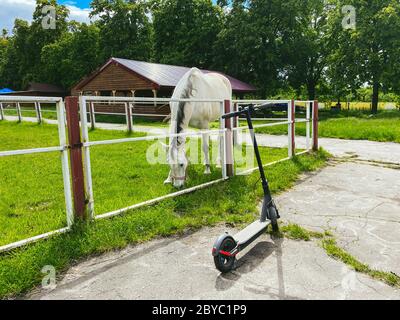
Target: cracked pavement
x,y
357,200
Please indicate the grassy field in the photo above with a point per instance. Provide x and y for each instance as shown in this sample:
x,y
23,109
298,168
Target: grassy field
x,y
355,124
121,173
385,126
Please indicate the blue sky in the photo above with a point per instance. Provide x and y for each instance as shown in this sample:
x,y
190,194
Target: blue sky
x,y
23,9
78,3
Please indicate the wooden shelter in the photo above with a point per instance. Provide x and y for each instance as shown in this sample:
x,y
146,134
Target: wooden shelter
x,y
122,77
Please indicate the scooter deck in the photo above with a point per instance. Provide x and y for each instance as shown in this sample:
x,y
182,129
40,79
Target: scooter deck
x,y
251,232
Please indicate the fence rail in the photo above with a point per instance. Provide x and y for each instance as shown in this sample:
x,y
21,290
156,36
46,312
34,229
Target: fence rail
x,y
76,157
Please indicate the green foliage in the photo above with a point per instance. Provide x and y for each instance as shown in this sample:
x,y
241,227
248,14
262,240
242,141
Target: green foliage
x,y
125,29
370,53
72,57
185,31
333,250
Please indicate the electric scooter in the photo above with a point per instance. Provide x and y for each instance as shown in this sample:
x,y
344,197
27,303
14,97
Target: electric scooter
x,y
226,246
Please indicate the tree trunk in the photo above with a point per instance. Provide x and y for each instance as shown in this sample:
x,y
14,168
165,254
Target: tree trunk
x,y
375,97
311,91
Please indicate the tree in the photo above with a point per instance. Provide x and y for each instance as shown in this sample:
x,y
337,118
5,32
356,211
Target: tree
x,y
185,31
72,57
374,42
125,29
308,48
22,62
14,60
230,52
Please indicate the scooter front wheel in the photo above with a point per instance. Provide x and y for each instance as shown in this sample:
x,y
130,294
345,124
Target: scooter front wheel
x,y
225,262
273,216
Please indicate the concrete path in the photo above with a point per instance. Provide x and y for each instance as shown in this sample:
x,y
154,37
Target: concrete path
x,y
356,201
182,268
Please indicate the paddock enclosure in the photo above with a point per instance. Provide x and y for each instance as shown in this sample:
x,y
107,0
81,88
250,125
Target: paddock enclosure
x,y
68,170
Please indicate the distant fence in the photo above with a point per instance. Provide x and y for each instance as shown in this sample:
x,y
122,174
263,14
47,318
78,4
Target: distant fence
x,y
77,172
31,104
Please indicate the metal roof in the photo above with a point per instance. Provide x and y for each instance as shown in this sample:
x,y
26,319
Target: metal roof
x,y
163,75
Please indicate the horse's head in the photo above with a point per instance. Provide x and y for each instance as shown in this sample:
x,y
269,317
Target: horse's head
x,y
178,163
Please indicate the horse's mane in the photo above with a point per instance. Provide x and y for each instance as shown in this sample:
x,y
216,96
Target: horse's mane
x,y
186,94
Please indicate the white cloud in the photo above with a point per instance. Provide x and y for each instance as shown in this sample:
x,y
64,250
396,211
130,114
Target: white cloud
x,y
23,9
78,14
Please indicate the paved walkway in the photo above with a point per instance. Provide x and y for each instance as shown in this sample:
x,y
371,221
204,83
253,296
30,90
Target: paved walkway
x,y
358,202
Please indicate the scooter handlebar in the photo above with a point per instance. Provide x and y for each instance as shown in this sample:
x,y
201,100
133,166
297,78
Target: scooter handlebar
x,y
233,114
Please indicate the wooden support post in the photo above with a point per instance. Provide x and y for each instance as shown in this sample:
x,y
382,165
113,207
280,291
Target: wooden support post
x,y
128,112
92,116
38,112
228,140
74,138
315,126
1,111
18,106
155,97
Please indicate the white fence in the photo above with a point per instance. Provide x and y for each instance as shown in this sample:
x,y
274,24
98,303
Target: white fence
x,y
62,148
226,133
20,105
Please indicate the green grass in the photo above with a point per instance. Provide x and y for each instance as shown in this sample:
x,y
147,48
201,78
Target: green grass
x,y
295,232
383,127
117,182
328,243
32,113
333,250
31,186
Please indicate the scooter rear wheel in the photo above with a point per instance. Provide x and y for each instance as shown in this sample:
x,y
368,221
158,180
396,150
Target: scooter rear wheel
x,y
225,263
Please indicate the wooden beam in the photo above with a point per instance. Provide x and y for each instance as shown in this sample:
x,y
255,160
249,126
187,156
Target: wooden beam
x,y
75,142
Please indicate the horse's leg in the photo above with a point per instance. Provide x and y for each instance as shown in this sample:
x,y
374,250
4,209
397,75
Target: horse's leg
x,y
206,151
169,179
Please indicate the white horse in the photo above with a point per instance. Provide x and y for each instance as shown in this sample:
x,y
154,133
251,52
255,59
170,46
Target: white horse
x,y
194,85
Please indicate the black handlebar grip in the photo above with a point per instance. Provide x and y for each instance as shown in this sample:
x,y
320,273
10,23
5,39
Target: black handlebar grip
x,y
232,114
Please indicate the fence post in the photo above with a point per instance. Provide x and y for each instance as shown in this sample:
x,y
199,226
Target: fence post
x,y
129,116
235,125
228,140
74,138
92,116
315,126
19,112
308,124
1,111
38,112
64,162
291,129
